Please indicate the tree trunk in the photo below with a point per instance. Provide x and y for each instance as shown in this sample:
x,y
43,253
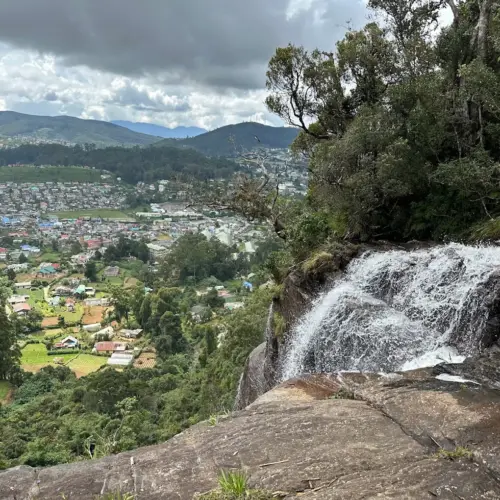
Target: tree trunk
x,y
480,39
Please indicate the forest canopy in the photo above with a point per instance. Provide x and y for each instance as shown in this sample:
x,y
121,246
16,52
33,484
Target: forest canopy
x,y
401,121
131,164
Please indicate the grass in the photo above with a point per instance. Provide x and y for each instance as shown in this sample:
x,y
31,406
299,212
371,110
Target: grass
x,y
105,213
48,256
34,296
86,363
234,486
4,390
34,357
234,483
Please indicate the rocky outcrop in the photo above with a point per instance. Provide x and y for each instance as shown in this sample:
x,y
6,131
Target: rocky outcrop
x,y
322,437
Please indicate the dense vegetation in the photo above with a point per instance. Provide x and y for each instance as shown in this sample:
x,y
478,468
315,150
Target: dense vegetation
x,y
55,418
70,129
50,174
404,139
232,139
131,164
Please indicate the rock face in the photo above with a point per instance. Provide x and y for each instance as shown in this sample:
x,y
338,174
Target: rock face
x,y
322,437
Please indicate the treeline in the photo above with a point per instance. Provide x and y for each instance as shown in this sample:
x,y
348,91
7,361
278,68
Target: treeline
x,y
131,164
405,134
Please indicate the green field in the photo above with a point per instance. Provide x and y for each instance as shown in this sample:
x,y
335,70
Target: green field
x,y
86,363
49,174
34,296
34,357
105,213
4,390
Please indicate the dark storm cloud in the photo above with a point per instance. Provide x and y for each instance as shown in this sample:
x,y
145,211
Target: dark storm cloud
x,y
220,43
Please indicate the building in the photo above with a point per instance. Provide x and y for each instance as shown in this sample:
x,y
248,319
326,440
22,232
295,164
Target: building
x,y
67,343
25,285
18,299
121,359
131,334
110,347
21,309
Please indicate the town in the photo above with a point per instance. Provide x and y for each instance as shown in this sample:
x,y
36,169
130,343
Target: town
x,y
67,312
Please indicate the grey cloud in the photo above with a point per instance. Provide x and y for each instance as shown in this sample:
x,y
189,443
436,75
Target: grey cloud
x,y
217,43
129,95
51,96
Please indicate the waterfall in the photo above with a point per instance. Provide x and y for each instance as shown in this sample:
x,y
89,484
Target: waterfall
x,y
398,310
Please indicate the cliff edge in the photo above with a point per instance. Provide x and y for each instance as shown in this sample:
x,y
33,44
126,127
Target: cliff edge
x,y
415,435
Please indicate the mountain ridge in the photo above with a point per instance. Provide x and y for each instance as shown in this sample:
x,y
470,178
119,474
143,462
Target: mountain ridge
x,y
70,129
159,130
231,140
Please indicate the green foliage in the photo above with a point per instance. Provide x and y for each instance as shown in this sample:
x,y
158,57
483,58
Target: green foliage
x,y
458,453
127,248
234,483
91,271
49,174
404,125
193,258
156,162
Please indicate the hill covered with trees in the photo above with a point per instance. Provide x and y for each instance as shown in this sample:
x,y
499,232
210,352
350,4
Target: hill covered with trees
x,y
70,129
233,139
131,164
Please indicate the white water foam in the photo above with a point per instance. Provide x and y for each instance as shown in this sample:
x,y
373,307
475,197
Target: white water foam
x,y
398,310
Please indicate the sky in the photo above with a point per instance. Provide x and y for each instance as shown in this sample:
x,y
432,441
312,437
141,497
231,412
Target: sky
x,y
170,62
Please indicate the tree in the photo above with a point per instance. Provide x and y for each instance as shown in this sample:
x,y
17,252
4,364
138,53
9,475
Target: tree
x,y
91,271
122,301
23,259
11,274
76,248
10,353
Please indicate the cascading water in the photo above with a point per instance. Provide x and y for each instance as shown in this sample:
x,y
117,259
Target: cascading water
x,y
398,310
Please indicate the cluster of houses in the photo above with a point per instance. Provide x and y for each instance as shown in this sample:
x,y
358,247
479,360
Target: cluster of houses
x,y
31,197
119,353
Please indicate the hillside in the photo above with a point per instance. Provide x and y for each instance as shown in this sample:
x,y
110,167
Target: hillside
x,y
160,131
70,129
49,174
131,164
228,140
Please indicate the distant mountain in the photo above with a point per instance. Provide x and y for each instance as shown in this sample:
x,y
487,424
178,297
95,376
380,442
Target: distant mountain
x,y
225,141
70,129
159,131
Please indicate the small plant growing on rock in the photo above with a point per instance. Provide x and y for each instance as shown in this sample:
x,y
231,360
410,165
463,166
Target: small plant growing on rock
x,y
212,420
234,483
233,486
344,393
456,454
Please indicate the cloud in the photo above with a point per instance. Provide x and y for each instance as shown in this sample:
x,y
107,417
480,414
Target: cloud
x,y
171,62
217,43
